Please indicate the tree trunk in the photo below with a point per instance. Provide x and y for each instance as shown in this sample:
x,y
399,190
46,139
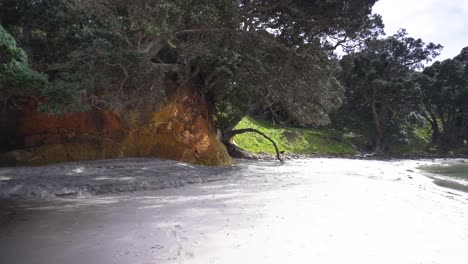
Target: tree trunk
x,y
435,134
378,141
431,118
435,129
237,152
26,42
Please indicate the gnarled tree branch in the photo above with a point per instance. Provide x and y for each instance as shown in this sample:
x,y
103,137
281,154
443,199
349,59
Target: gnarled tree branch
x,y
251,130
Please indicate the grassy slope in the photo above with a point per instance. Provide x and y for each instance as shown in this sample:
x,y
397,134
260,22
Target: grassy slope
x,y
327,141
292,140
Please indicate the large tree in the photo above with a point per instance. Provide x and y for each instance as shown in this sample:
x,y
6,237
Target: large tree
x,y
17,80
380,88
445,96
238,54
277,57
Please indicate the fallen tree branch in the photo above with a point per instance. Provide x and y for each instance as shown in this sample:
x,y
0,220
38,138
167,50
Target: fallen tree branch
x,y
251,130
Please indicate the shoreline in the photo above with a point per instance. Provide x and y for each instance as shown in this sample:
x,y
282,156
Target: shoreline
x,y
365,156
86,179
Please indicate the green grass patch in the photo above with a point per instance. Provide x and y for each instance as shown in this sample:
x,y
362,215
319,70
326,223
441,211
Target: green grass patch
x,y
292,140
417,142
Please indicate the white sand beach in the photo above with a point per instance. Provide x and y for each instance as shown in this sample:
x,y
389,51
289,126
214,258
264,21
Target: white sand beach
x,y
306,211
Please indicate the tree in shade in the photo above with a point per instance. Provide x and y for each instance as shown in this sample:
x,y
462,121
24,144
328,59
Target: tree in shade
x,y
380,86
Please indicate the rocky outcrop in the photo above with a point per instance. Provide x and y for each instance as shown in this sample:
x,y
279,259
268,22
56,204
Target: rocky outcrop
x,y
181,130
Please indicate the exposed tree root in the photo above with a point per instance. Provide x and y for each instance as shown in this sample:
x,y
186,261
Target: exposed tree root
x,y
237,152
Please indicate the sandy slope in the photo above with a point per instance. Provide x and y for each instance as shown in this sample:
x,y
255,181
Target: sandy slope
x,y
84,179
307,211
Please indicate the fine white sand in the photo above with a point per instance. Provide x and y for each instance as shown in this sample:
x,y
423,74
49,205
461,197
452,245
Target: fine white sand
x,y
307,211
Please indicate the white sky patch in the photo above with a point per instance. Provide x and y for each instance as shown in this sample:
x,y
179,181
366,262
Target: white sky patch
x,y
439,21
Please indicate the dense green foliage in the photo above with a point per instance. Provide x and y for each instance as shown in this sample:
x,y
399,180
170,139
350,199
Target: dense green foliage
x,y
271,58
16,78
445,102
242,55
382,95
391,101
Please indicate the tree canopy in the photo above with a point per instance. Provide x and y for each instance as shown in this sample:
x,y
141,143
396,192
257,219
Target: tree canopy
x,y
444,88
274,57
239,54
381,89
16,78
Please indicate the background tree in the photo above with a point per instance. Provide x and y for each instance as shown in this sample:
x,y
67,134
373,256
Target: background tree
x,y
445,89
380,89
16,78
17,81
47,30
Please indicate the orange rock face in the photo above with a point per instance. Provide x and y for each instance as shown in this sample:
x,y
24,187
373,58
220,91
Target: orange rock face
x,y
181,130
